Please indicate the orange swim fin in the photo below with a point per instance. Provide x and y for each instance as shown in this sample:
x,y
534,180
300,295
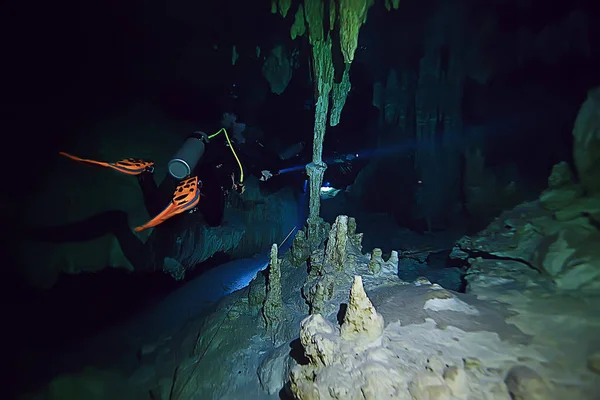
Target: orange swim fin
x,y
185,198
129,166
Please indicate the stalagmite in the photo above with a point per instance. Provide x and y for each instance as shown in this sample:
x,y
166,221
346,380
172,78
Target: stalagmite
x,y
277,69
361,319
336,250
273,305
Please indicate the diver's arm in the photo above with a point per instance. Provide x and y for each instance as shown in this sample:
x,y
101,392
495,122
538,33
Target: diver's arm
x,y
267,163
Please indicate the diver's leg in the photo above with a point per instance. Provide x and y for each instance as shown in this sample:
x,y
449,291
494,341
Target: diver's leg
x,y
149,192
156,197
139,254
166,189
212,203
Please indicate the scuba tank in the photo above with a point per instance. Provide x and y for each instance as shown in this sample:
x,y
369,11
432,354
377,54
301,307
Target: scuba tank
x,y
186,158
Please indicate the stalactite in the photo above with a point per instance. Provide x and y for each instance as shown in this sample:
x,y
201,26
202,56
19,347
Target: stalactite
x,y
349,16
283,6
314,11
323,67
392,4
340,94
352,15
299,27
332,14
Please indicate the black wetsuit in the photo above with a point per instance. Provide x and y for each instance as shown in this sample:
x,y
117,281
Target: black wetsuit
x,y
214,171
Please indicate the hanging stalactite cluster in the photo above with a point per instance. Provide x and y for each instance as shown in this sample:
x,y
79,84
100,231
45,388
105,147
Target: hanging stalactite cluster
x,y
316,19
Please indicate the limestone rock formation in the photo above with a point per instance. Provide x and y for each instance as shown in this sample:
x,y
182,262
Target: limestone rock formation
x,y
299,27
273,306
283,6
331,266
525,384
335,253
257,291
558,234
564,251
339,96
275,369
562,189
324,342
586,143
196,243
435,343
278,69
324,73
300,250
348,16
376,261
352,15
392,4
314,11
593,362
361,320
320,340
361,359
485,194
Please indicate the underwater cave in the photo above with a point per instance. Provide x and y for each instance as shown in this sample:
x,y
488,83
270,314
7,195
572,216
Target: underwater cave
x,y
299,199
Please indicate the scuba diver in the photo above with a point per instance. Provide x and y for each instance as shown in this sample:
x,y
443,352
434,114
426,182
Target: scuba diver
x,y
202,173
207,177
341,173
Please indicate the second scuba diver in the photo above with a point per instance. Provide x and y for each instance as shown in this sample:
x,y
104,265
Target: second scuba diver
x,y
202,173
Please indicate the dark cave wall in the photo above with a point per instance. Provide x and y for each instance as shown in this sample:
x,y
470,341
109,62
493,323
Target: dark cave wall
x,y
519,95
76,62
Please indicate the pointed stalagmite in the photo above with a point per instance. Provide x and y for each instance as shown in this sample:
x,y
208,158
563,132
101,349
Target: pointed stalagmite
x,y
273,305
361,321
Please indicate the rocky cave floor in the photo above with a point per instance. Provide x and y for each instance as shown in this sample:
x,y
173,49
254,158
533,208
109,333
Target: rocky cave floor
x,y
513,332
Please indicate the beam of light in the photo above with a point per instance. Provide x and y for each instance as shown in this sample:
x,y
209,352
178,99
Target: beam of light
x,y
465,138
295,168
244,279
